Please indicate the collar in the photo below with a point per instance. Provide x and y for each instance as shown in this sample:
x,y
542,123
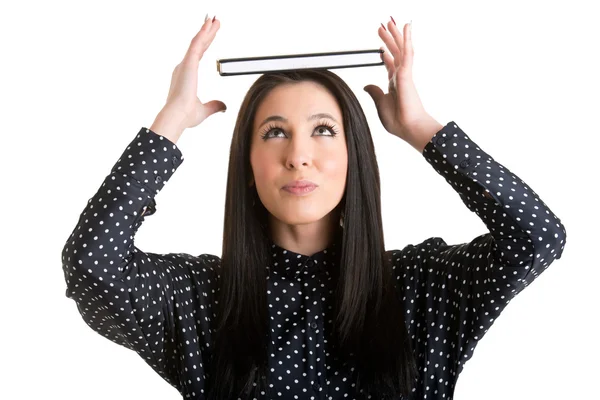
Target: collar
x,y
293,265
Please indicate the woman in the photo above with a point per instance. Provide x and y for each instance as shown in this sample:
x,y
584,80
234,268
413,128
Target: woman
x,y
305,302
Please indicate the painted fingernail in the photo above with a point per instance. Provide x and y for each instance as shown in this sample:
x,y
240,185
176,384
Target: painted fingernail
x,y
393,20
383,27
206,18
214,18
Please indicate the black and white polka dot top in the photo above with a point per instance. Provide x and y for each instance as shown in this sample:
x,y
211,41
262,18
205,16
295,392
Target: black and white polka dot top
x,y
160,305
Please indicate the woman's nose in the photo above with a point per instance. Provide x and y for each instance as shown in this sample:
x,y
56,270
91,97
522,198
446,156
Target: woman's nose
x,y
297,160
299,154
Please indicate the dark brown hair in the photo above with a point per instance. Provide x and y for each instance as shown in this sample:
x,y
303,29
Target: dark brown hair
x,y
370,328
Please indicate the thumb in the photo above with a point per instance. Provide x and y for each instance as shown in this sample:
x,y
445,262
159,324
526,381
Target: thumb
x,y
214,106
375,92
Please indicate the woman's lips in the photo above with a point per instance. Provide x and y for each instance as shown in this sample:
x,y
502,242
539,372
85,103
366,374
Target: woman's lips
x,y
300,186
299,190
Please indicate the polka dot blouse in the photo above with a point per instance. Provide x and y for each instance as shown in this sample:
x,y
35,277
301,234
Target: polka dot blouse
x,y
161,305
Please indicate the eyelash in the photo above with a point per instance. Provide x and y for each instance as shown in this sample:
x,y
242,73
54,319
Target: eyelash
x,y
326,124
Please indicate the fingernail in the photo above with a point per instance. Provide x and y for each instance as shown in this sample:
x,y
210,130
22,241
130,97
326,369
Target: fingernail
x,y
383,27
214,18
206,18
393,20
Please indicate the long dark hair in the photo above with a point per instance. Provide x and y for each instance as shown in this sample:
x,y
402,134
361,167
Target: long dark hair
x,y
369,321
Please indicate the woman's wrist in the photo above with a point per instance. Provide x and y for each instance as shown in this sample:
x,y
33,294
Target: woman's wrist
x,y
421,132
169,123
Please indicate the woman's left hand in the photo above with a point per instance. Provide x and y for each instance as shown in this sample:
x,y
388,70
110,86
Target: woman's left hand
x,y
400,110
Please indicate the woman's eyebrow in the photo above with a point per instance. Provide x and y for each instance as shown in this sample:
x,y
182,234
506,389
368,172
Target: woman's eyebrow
x,y
282,119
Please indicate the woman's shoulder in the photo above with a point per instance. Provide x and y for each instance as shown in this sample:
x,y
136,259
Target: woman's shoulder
x,y
415,251
202,269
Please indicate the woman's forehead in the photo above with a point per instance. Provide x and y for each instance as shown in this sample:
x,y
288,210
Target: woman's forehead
x,y
298,101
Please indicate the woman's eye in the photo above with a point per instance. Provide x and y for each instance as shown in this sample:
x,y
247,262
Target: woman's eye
x,y
322,130
274,130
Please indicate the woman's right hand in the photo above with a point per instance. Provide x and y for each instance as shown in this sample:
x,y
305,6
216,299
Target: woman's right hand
x,y
183,107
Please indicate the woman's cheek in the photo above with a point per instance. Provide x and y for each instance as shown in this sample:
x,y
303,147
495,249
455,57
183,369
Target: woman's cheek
x,y
336,167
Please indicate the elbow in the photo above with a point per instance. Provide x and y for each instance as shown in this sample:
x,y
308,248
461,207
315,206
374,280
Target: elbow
x,y
71,269
560,239
76,266
550,246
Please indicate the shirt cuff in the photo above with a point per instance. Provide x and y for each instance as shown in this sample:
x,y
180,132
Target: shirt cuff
x,y
452,145
150,159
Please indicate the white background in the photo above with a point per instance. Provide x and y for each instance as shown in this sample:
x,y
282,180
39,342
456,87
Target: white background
x,y
79,79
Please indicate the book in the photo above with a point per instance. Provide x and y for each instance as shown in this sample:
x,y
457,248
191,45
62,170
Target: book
x,y
327,60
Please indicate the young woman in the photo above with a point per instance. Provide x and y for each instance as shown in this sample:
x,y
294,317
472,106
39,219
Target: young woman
x,y
305,302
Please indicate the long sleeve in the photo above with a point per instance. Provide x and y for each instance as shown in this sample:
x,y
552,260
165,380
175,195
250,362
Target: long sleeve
x,y
454,293
150,303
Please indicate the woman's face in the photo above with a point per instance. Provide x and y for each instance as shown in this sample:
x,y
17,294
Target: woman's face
x,y
298,146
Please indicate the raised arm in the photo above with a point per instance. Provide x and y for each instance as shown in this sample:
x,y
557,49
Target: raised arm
x,y
134,298
456,292
159,305
453,293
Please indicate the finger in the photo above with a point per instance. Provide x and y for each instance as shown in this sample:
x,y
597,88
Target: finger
x,y
213,106
389,42
388,61
206,26
408,47
203,39
375,92
398,40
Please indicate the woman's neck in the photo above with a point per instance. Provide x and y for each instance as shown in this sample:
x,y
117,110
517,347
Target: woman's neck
x,y
306,239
